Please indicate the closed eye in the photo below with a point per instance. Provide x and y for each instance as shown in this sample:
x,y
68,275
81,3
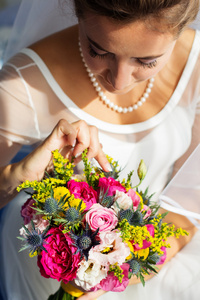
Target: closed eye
x,y
150,64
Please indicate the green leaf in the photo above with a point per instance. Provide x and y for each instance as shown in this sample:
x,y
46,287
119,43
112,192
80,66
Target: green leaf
x,y
142,279
61,295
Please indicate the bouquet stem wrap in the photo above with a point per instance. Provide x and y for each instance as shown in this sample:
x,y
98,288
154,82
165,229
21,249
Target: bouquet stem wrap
x,y
66,292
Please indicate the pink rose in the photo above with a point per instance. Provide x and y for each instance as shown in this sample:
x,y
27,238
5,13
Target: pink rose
x,y
146,244
163,257
101,217
111,282
27,211
135,198
83,191
60,261
110,185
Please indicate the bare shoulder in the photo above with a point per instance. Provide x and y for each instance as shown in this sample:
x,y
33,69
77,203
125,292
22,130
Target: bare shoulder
x,y
57,48
185,42
181,53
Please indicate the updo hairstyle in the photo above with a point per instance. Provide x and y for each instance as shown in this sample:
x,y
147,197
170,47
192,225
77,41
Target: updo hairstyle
x,y
172,15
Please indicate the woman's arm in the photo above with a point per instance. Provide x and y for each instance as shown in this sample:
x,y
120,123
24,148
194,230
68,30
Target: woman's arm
x,y
69,138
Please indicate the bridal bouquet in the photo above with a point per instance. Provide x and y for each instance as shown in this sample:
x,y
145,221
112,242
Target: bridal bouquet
x,y
92,229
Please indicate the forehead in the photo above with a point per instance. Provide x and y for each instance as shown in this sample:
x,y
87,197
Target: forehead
x,y
117,37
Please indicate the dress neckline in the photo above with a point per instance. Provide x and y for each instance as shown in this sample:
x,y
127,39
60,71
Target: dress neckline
x,y
127,128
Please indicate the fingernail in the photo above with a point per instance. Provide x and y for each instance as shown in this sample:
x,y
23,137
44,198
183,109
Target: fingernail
x,y
78,154
74,143
108,167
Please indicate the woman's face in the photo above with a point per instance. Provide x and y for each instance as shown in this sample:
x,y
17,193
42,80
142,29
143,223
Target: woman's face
x,y
121,56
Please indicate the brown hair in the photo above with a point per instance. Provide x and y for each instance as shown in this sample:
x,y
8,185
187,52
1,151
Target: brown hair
x,y
175,14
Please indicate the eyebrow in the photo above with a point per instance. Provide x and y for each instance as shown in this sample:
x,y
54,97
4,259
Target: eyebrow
x,y
102,49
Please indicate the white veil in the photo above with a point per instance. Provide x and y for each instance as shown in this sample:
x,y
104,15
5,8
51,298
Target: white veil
x,y
38,18
182,194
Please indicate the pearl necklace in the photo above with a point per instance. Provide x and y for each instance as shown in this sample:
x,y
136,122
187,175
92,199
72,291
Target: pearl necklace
x,y
110,104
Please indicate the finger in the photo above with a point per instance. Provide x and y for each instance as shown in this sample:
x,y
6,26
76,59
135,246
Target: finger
x,y
95,150
82,137
63,134
92,295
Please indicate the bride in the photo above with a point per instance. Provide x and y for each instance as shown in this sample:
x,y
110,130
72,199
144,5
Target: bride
x,y
124,76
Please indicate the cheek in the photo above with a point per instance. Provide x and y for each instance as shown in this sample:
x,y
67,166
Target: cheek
x,y
144,73
95,64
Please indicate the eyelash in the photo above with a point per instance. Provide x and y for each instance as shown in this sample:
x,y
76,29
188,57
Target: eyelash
x,y
94,54
148,65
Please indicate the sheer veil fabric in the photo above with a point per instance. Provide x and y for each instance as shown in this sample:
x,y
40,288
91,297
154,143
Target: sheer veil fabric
x,y
182,194
37,19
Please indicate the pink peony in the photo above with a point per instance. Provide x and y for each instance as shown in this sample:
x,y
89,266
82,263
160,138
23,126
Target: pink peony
x,y
60,261
111,185
111,282
27,211
135,198
83,191
163,257
146,244
101,217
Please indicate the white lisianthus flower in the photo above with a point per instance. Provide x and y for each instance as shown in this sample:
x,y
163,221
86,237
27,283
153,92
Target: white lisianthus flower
x,y
111,250
122,201
89,274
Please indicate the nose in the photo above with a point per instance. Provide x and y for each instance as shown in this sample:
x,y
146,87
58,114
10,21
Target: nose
x,y
120,75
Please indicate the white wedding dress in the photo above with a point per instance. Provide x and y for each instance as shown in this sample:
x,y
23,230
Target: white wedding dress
x,y
160,141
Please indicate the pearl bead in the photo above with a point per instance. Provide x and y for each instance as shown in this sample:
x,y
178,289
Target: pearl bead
x,y
110,104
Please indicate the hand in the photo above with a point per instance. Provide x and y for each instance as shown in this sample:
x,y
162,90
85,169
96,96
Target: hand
x,y
92,295
69,138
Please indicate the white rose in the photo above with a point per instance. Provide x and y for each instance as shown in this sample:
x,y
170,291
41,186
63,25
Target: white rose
x,y
122,201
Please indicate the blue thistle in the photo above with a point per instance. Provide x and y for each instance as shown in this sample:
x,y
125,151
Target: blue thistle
x,y
35,239
137,218
154,258
72,214
134,266
85,241
51,206
126,214
104,200
107,201
133,217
